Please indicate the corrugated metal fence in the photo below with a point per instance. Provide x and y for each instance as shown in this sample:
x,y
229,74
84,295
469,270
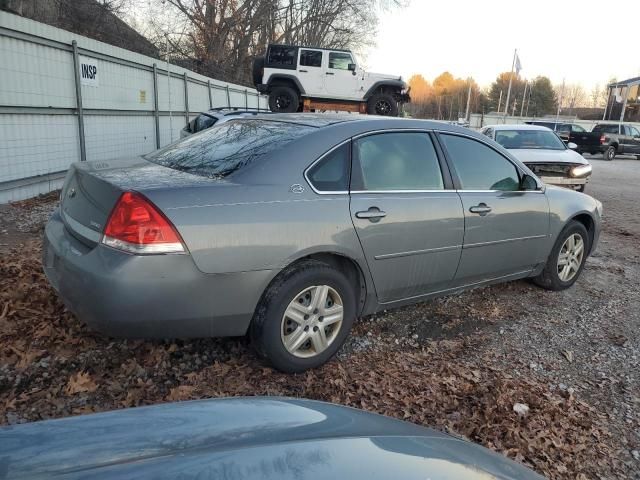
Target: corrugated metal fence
x,y
65,98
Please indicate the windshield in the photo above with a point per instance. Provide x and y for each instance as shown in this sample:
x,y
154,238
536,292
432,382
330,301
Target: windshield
x,y
534,139
225,149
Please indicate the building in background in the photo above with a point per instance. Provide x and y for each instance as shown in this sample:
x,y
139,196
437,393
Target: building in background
x,y
623,102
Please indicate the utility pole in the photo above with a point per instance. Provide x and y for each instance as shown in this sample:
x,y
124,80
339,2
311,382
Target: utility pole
x,y
513,64
528,101
524,95
466,115
500,101
560,101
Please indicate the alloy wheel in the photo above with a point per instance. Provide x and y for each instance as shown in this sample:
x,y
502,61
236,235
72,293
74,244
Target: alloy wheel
x,y
312,321
570,257
383,107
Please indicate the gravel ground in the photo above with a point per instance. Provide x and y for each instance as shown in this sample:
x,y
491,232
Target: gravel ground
x,y
459,363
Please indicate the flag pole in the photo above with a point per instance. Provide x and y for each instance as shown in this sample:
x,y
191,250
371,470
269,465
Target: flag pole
x,y
513,64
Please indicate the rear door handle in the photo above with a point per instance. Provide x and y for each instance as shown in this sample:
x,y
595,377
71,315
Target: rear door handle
x,y
374,214
481,209
303,71
329,73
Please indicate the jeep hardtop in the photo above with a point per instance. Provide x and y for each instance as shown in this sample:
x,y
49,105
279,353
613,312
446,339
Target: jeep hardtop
x,y
289,74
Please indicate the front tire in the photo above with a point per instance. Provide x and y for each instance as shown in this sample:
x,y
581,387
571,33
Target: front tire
x,y
304,317
567,259
382,104
283,99
610,153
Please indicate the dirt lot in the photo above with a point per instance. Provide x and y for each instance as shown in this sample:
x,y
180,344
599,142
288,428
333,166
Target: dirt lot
x,y
459,364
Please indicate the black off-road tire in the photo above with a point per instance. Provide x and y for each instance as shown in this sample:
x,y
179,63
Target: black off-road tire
x,y
382,104
610,153
283,99
581,188
265,329
549,278
257,70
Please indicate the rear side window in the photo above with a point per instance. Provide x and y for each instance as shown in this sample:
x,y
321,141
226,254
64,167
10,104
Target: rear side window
x,y
577,129
228,148
282,56
331,173
310,58
480,167
396,161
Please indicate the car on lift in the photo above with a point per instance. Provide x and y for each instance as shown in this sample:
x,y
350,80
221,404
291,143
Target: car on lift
x,y
288,74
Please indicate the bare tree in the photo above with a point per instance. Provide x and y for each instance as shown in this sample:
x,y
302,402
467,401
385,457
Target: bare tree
x,y
222,37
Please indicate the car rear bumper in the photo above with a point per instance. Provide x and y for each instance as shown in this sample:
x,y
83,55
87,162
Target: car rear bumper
x,y
147,296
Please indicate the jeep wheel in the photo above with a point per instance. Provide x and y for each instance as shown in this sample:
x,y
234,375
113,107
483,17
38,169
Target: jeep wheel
x,y
283,100
382,104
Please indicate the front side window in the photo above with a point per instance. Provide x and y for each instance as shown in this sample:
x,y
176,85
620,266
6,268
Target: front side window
x,y
488,132
310,58
479,167
339,60
634,132
203,122
396,161
225,149
532,139
331,174
577,129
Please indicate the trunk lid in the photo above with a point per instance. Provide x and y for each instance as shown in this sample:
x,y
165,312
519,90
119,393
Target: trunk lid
x,y
91,190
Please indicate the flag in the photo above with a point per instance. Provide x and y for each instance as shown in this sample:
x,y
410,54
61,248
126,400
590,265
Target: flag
x,y
518,65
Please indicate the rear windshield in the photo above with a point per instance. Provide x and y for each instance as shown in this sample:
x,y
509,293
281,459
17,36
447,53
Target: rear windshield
x,y
225,149
606,128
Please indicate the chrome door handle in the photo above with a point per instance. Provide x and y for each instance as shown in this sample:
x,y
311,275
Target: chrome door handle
x,y
481,209
374,214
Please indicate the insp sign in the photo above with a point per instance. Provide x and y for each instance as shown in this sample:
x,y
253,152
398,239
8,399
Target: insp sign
x,y
88,71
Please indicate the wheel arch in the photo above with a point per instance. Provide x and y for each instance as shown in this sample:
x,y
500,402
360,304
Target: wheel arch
x,y
589,223
285,80
395,86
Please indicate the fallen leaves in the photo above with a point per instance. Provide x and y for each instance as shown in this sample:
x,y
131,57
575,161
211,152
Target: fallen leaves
x,y
79,383
568,354
435,384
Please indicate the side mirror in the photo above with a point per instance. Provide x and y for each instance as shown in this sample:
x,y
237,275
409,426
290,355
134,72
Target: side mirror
x,y
352,68
527,182
572,145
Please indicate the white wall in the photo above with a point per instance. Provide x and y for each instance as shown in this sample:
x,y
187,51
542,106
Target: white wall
x,y
39,127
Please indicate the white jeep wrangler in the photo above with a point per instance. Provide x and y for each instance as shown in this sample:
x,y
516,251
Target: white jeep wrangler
x,y
290,73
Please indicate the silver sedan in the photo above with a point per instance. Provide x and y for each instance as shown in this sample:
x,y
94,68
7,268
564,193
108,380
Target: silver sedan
x,y
288,227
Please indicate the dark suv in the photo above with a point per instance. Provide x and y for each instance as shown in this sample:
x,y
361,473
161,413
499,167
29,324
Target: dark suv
x,y
618,138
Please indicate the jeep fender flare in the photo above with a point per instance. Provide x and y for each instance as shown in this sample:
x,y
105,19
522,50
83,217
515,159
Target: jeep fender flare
x,y
274,79
394,84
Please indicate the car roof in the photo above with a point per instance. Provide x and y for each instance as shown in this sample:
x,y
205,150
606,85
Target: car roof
x,y
361,122
518,126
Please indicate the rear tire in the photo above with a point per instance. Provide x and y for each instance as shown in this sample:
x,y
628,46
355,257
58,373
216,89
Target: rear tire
x,y
610,153
382,104
283,99
564,256
581,188
302,300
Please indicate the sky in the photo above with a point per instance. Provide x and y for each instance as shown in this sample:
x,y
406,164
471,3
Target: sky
x,y
558,39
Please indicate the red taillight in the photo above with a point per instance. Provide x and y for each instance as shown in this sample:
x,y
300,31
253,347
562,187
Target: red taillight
x,y
136,225
602,139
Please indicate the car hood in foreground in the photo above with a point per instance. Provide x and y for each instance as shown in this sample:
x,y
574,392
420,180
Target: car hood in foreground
x,y
244,439
526,155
